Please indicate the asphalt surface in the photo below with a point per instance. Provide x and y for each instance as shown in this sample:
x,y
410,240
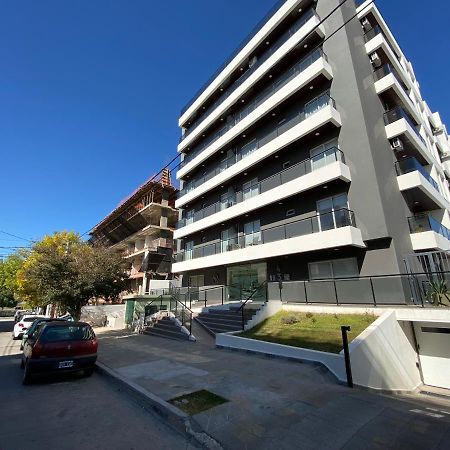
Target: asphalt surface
x,y
72,412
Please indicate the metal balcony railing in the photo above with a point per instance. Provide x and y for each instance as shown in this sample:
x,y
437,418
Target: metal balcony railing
x,y
425,222
234,119
398,113
306,111
318,223
411,164
263,58
301,21
291,173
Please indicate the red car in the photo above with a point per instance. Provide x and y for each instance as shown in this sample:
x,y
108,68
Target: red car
x,y
60,347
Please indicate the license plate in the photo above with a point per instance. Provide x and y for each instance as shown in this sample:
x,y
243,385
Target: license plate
x,y
65,364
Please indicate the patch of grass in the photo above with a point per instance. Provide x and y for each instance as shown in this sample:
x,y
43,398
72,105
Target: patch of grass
x,y
313,331
197,402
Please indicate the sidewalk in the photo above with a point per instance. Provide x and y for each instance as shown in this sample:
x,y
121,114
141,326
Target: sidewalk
x,y
273,403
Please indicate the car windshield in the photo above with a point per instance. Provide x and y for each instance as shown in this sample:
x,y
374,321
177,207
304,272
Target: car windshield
x,y
31,319
67,333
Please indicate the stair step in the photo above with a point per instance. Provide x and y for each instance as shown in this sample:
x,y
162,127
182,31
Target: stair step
x,y
166,326
167,334
220,317
230,326
231,311
218,328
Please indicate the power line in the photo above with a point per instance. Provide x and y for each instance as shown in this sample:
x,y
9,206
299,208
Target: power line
x,y
18,237
303,40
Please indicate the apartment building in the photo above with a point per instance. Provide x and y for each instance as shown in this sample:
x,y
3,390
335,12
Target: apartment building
x,y
310,154
141,229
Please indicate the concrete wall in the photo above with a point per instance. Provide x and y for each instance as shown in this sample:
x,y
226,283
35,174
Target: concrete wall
x,y
268,310
383,357
95,315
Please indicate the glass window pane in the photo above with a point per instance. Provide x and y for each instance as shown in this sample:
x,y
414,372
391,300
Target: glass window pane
x,y
345,268
320,270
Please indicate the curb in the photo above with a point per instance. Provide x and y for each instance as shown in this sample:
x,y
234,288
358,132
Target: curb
x,y
172,416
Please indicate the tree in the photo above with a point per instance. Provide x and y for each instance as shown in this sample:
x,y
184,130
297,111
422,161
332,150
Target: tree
x,y
65,271
8,280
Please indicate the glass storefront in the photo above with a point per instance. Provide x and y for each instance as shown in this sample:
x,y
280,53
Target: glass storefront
x,y
242,280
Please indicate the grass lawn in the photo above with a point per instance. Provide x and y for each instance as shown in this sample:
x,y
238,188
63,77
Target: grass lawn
x,y
196,402
308,330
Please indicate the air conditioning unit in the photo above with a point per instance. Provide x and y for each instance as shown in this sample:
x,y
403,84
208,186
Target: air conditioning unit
x,y
375,59
397,144
438,130
366,24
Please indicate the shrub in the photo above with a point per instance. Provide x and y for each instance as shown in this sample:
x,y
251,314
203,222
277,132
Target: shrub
x,y
309,315
289,320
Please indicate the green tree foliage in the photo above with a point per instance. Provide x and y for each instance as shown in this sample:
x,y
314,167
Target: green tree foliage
x,y
8,280
65,271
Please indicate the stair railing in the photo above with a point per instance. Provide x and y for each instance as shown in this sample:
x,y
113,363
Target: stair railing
x,y
241,309
178,304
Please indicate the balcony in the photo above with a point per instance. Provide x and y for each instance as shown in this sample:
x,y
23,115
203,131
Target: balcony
x,y
427,233
228,92
218,80
233,120
283,132
376,39
328,230
308,174
389,85
420,189
399,123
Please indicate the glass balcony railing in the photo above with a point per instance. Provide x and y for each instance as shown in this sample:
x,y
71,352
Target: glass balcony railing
x,y
301,21
263,58
386,70
291,173
318,223
233,120
398,113
411,164
425,222
241,152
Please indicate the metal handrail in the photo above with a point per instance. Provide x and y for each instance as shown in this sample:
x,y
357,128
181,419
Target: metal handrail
x,y
235,85
301,115
259,236
248,299
218,206
259,99
239,48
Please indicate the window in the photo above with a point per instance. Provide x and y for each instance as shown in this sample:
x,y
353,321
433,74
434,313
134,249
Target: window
x,y
252,233
197,280
337,268
226,201
324,154
189,250
189,216
229,240
290,212
286,165
333,212
250,189
248,148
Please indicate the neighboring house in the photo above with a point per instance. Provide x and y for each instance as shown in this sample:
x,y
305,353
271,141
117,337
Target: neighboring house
x,y
141,228
306,157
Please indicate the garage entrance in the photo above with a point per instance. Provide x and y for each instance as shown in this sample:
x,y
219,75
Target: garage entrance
x,y
433,340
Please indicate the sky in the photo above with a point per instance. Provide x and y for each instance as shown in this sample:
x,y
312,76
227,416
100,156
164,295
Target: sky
x,y
91,92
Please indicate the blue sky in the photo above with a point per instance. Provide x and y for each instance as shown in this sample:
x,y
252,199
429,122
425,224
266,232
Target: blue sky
x,y
90,94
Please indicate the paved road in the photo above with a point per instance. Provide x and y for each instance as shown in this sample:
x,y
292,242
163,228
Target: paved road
x,y
71,412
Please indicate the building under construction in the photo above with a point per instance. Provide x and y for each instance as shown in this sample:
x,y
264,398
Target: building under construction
x,y
141,228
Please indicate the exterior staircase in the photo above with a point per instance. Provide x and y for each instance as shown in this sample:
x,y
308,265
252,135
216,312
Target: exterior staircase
x,y
167,328
219,320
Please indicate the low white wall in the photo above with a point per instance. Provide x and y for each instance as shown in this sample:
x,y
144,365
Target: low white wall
x,y
325,309
269,309
334,363
95,315
383,358
423,314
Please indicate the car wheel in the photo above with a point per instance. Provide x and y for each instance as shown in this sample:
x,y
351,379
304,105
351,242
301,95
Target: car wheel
x,y
26,374
88,372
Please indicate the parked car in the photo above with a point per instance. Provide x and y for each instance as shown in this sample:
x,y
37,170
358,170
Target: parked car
x,y
23,324
20,313
33,327
59,346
